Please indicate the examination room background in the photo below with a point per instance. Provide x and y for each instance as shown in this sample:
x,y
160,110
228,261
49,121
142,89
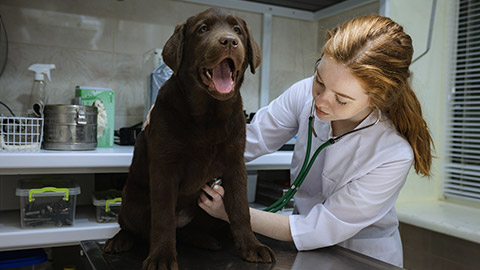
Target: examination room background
x,y
104,44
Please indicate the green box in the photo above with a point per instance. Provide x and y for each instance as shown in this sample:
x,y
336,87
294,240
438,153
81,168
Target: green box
x,y
104,100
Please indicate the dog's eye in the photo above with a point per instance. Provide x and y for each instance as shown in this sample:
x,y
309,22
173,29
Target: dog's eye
x,y
203,29
237,29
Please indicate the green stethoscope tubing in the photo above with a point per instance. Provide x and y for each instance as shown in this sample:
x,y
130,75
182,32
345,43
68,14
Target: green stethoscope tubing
x,y
307,164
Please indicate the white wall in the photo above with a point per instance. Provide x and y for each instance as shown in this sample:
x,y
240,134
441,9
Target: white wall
x,y
430,82
95,43
102,43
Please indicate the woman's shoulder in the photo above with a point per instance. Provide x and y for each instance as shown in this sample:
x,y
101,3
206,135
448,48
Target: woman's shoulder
x,y
381,140
379,146
391,142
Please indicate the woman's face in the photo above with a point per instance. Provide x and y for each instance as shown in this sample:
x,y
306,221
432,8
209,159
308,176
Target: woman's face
x,y
338,94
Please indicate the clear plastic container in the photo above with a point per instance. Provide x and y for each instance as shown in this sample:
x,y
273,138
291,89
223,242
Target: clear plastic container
x,y
47,202
107,204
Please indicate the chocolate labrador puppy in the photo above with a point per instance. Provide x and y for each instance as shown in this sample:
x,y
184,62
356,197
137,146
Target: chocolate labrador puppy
x,y
196,133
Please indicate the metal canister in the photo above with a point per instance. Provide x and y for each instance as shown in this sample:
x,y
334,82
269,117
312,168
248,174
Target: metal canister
x,y
70,127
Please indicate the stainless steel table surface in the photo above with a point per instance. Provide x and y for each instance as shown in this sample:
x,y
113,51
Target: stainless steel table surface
x,y
191,258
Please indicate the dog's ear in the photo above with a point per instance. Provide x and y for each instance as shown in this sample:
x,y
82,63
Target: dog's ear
x,y
254,54
173,49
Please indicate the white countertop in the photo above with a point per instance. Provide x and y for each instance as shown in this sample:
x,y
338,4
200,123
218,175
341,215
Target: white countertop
x,y
105,160
442,216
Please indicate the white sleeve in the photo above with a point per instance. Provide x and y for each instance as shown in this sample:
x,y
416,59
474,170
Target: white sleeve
x,y
355,206
276,123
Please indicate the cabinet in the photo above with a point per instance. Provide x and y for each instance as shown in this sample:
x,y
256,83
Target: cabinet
x,y
101,160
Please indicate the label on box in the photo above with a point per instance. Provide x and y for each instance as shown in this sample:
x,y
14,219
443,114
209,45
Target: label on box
x,y
104,100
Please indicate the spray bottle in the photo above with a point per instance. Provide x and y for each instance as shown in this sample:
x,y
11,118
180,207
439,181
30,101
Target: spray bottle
x,y
38,96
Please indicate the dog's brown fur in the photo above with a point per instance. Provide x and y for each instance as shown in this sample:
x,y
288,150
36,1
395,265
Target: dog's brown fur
x,y
196,133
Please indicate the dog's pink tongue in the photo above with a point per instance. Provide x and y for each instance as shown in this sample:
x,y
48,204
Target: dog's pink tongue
x,y
222,78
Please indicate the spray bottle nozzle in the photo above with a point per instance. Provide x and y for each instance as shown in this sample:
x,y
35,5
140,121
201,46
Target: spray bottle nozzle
x,y
41,70
38,96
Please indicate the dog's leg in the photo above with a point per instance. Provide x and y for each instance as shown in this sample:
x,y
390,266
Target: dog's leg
x,y
122,241
133,211
237,208
163,198
135,203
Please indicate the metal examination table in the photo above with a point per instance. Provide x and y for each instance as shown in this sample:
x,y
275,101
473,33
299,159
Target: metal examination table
x,y
191,258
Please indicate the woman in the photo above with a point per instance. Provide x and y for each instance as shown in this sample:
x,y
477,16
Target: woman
x,y
349,194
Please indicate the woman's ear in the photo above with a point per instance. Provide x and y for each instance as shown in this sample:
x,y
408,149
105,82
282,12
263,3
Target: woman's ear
x,y
173,49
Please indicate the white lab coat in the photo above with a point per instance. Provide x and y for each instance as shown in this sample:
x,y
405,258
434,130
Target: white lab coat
x,y
349,194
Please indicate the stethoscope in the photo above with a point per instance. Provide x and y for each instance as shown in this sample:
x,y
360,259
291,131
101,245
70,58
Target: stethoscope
x,y
307,164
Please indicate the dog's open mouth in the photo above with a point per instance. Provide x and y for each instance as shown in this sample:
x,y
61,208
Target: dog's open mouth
x,y
221,78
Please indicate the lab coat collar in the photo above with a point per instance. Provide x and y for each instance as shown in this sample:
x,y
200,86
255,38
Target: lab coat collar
x,y
371,118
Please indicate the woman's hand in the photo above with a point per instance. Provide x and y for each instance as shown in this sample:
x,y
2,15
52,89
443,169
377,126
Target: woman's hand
x,y
214,207
147,120
276,226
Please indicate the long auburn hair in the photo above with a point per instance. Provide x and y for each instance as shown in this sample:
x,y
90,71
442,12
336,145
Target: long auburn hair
x,y
378,52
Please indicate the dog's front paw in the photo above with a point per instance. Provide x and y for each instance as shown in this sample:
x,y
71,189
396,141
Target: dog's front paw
x,y
155,262
122,241
259,253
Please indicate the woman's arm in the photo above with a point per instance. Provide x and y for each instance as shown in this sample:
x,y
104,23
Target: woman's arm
x,y
273,225
276,226
277,123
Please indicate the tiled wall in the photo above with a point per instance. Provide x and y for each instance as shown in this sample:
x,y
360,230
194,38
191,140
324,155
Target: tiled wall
x,y
102,44
428,250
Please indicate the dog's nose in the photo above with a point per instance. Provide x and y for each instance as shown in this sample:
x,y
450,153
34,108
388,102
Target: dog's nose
x,y
229,41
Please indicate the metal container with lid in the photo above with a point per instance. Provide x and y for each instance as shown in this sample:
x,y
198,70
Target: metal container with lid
x,y
70,127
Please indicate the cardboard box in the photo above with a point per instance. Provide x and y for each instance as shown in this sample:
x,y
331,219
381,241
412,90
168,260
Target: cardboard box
x,y
104,100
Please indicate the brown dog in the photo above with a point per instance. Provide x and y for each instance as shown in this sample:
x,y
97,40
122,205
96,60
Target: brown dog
x,y
196,133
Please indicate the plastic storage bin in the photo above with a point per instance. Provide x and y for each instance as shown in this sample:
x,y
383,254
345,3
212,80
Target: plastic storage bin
x,y
47,202
107,205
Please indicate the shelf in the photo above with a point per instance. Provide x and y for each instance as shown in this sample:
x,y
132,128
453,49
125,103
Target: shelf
x,y
280,160
86,228
116,159
102,160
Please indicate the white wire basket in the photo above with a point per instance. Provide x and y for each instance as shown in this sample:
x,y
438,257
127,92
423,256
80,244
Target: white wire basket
x,y
20,134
